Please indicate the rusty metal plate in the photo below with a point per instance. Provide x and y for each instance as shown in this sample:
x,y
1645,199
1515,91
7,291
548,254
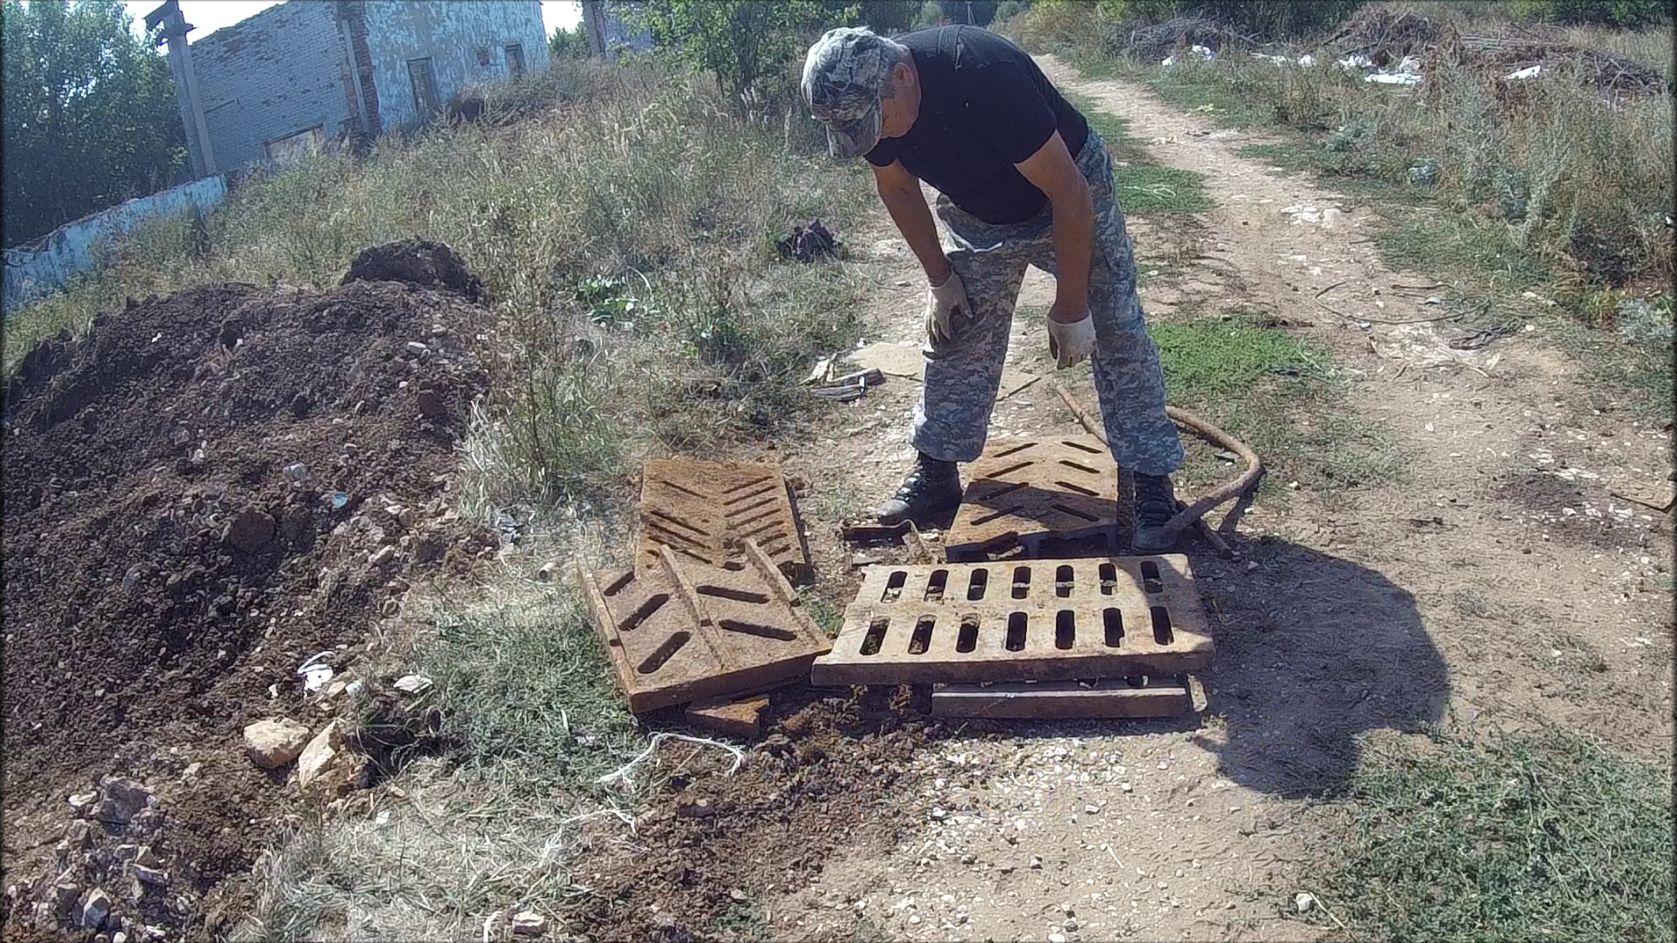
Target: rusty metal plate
x,y
678,631
1065,700
702,510
1039,620
1045,497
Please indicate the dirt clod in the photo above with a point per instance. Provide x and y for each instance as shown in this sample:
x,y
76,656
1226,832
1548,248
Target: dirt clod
x,y
417,262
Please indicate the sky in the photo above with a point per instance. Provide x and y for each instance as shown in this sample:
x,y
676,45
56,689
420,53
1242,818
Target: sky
x,y
210,15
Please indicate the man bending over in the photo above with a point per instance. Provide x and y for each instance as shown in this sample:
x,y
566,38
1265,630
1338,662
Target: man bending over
x,y
1023,180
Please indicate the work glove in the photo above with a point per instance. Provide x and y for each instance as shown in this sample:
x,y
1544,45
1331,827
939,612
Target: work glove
x,y
942,302
1071,342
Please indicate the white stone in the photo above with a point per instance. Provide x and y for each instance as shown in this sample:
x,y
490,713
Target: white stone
x,y
319,754
529,923
1303,902
274,742
95,909
413,684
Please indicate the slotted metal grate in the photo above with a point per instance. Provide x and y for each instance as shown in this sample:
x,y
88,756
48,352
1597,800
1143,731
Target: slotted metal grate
x,y
1036,620
702,510
1041,496
677,631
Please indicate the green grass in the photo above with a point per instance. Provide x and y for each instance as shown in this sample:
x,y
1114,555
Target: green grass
x,y
524,687
1279,393
1457,247
1144,187
1530,837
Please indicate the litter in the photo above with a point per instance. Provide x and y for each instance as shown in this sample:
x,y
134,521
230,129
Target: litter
x,y
315,672
622,773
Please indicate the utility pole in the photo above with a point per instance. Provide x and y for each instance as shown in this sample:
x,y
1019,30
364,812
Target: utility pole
x,y
175,28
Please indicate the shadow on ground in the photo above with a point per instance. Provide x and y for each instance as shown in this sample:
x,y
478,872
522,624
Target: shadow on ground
x,y
1312,652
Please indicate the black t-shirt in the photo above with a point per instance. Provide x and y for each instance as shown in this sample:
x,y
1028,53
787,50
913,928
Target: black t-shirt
x,y
984,107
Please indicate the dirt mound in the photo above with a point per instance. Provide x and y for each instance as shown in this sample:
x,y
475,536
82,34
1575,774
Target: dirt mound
x,y
202,493
416,262
829,777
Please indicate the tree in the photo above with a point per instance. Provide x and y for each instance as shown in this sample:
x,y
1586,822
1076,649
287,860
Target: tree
x,y
738,41
975,12
90,115
568,43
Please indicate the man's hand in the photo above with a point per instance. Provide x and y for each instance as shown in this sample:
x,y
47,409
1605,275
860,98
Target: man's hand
x,y
943,301
1071,336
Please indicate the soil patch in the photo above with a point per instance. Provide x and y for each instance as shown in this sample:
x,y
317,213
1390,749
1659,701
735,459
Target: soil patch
x,y
201,494
829,777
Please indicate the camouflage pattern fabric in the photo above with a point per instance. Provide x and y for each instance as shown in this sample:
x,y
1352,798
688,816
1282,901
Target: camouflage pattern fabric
x,y
963,375
843,75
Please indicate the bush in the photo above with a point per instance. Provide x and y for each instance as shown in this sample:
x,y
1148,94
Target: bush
x,y
931,14
1008,9
568,43
1628,14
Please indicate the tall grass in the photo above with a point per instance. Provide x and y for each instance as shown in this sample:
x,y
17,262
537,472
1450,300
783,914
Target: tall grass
x,y
1579,178
590,174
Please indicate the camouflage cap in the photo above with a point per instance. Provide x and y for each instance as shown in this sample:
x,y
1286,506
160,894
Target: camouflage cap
x,y
843,75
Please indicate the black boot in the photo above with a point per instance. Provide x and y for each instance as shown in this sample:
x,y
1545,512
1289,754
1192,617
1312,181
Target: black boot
x,y
931,487
1155,504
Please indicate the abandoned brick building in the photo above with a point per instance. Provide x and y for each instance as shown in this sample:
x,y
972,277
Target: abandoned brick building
x,y
307,74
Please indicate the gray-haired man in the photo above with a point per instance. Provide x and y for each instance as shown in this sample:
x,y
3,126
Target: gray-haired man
x,y
1023,181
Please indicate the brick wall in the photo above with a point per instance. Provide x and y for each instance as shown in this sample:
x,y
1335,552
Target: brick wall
x,y
457,37
269,76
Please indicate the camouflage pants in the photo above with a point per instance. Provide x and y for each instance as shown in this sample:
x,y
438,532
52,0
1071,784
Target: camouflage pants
x,y
963,375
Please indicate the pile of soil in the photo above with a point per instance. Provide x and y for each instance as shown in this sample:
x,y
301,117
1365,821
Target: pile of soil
x,y
200,494
831,776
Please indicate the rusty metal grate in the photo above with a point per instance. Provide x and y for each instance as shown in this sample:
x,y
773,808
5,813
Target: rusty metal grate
x,y
677,631
1045,497
702,510
1040,620
1167,696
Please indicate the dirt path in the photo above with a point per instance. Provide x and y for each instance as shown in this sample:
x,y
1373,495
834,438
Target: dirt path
x,y
1500,585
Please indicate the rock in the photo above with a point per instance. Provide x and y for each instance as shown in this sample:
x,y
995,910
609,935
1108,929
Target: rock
x,y
1304,902
145,856
77,834
250,530
319,754
1036,863
95,908
529,923
545,574
119,937
383,556
275,742
1056,936
298,472
120,800
413,684
432,405
83,802
150,876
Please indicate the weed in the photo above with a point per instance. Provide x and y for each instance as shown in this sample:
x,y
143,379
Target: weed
x,y
1244,376
1518,838
522,682
1460,247
1144,188
742,921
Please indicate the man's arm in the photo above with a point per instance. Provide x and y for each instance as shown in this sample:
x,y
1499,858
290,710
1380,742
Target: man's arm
x,y
900,191
1052,170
